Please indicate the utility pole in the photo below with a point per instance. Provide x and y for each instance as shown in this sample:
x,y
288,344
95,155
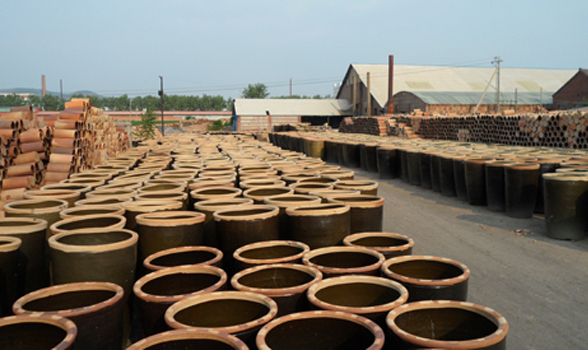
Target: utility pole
x,y
497,61
369,96
161,95
61,87
516,100
290,87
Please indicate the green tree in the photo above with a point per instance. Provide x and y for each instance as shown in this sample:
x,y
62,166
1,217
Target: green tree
x,y
146,127
12,100
52,103
258,90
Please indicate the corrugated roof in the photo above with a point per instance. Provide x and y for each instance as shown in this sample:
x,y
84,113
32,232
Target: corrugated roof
x,y
460,79
472,98
291,107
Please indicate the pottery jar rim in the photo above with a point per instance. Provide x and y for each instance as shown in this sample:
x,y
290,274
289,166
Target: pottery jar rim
x,y
70,248
117,193
363,184
31,225
9,243
277,292
486,341
333,193
423,281
89,182
189,334
477,160
289,200
19,306
268,211
133,186
359,200
343,249
261,183
322,209
170,218
310,186
180,196
70,328
101,201
13,207
76,187
173,187
350,241
120,224
147,206
362,321
304,248
149,265
250,192
211,204
247,296
113,209
179,270
523,166
495,163
228,191
565,176
361,279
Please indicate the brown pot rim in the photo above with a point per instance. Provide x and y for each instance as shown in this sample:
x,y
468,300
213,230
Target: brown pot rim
x,y
9,243
187,334
91,176
131,186
336,174
12,207
502,163
349,241
367,202
93,183
121,222
117,193
319,209
367,323
566,177
523,166
307,187
489,340
176,270
114,210
421,281
248,192
339,280
209,204
98,248
365,185
261,183
256,245
319,179
277,292
175,187
148,206
70,328
36,225
296,200
76,187
175,196
170,218
254,297
270,211
230,192
339,249
18,306
100,201
152,267
333,193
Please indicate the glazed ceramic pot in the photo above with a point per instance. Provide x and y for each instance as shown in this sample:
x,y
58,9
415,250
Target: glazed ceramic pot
x,y
446,175
435,170
429,277
325,195
566,205
289,201
521,188
364,187
95,307
475,179
191,255
366,213
118,193
45,209
425,169
461,190
163,188
368,296
182,339
321,330
269,252
70,196
286,284
171,196
135,208
158,290
106,222
388,162
86,210
413,166
307,187
39,331
258,194
387,243
261,183
83,189
241,314
169,229
337,261
495,190
319,225
208,207
546,166
32,269
351,154
207,193
338,174
102,201
9,252
446,325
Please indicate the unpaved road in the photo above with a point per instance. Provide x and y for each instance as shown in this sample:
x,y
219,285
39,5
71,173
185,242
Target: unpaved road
x,y
539,284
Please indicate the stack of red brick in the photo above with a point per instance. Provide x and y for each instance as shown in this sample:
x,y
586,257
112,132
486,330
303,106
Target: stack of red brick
x,y
365,125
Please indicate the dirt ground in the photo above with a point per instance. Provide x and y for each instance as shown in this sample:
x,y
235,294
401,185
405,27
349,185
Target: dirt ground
x,y
539,284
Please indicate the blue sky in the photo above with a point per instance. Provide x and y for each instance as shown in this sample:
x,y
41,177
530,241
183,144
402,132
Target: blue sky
x,y
218,47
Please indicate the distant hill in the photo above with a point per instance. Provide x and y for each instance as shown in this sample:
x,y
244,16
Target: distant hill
x,y
38,92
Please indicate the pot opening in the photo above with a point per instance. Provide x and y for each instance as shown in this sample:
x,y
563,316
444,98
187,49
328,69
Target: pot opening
x,y
31,336
272,252
269,191
84,212
95,239
180,283
88,223
426,269
215,191
358,294
344,260
380,241
44,204
16,223
246,212
222,313
275,278
184,258
69,300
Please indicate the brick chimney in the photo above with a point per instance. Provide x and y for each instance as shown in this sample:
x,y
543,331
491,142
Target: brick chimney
x,y
390,106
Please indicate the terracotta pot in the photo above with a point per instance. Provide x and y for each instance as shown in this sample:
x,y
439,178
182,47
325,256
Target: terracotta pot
x,y
369,296
269,252
102,201
88,182
258,194
239,226
321,330
319,225
9,252
182,339
169,229
135,208
45,209
521,188
212,182
290,179
132,185
364,187
429,277
162,188
104,222
366,212
566,205
261,183
191,255
446,324
337,261
118,193
95,307
325,195
286,284
387,243
39,331
206,193
241,314
91,176
81,188
158,290
32,261
338,174
208,207
86,210
307,187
